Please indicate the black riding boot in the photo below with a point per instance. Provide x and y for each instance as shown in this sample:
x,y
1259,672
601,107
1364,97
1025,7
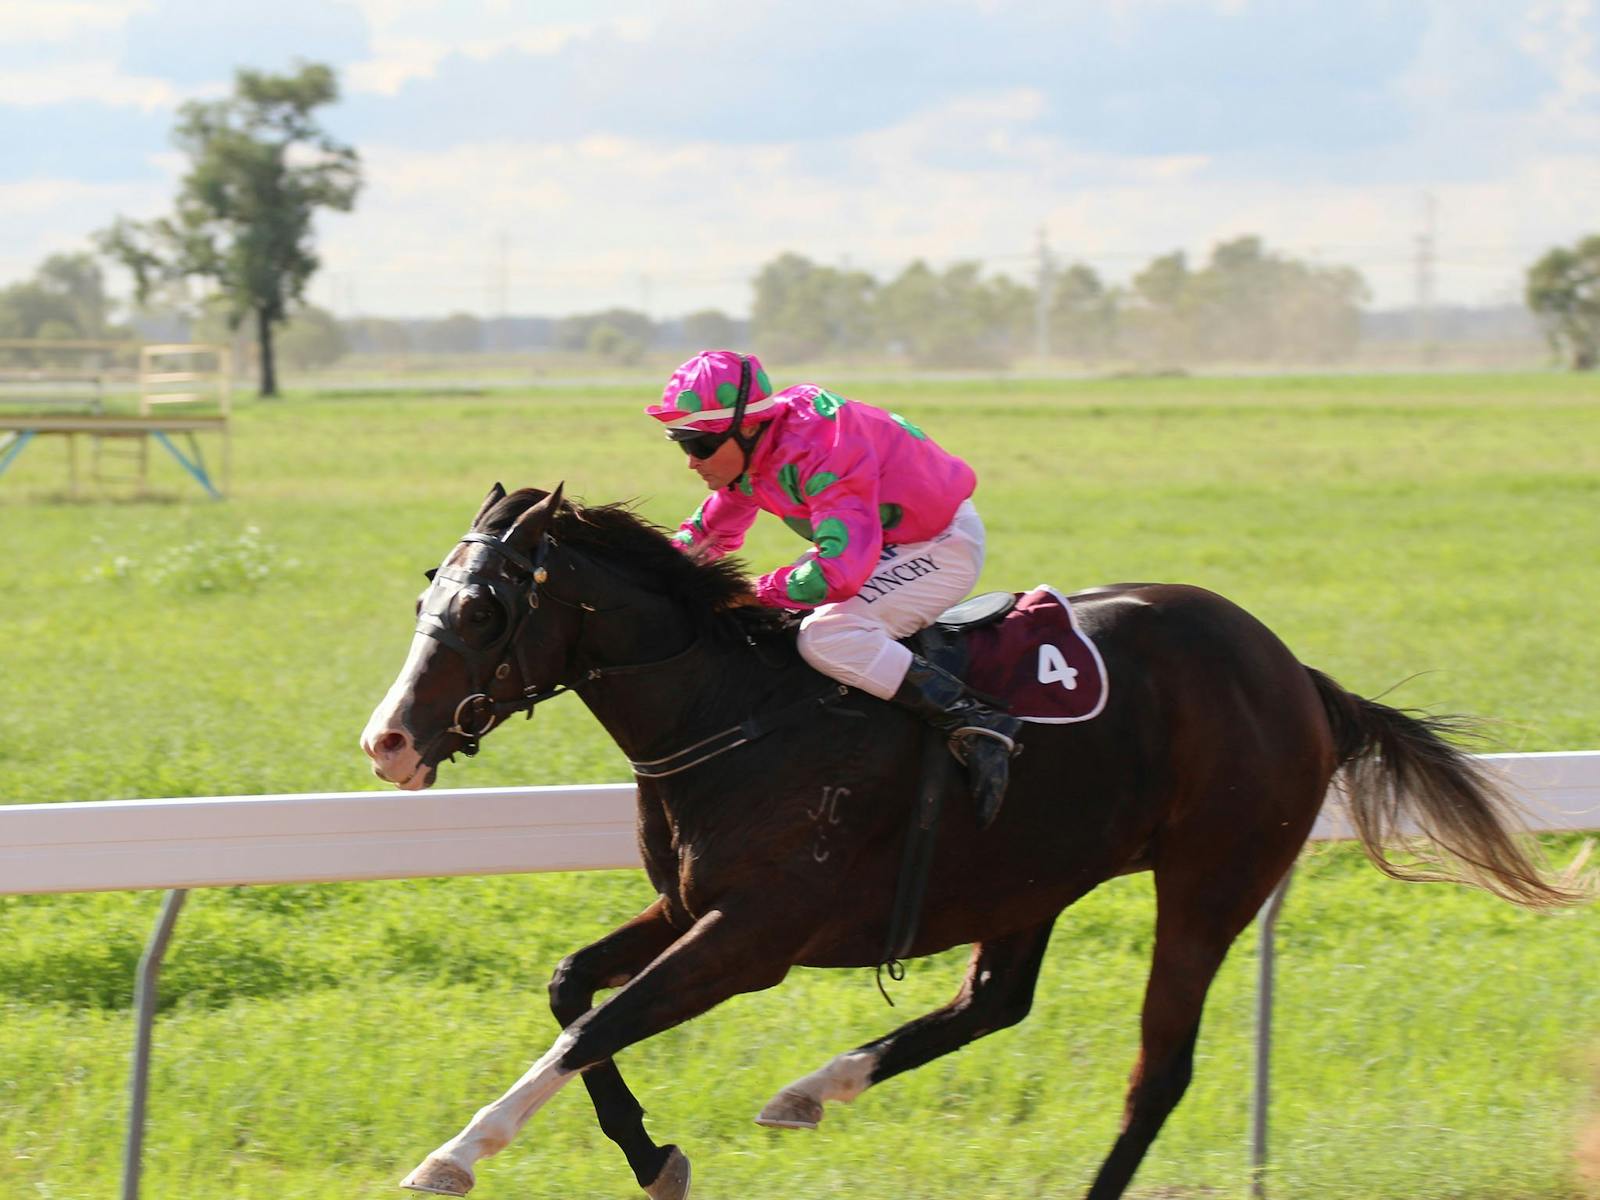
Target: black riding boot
x,y
980,737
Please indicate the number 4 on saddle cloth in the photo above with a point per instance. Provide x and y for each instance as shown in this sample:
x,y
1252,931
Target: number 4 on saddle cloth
x,y
1023,649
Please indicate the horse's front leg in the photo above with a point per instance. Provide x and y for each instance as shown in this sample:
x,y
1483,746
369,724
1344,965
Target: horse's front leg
x,y
662,1171
741,946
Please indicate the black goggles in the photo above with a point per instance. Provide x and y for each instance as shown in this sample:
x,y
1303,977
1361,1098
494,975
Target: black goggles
x,y
702,445
698,445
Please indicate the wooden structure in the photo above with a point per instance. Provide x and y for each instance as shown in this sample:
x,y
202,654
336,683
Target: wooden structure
x,y
69,374
193,376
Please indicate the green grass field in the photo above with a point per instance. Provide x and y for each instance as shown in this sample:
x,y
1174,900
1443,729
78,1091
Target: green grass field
x,y
319,1040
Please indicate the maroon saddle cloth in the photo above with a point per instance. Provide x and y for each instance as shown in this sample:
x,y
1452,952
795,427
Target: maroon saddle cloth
x,y
1037,660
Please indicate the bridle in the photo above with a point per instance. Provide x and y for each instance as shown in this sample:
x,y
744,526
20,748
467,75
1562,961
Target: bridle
x,y
479,712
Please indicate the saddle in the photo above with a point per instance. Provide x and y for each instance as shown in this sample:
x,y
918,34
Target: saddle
x,y
1023,652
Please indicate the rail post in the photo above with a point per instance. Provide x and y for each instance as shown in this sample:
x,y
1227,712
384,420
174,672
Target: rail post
x,y
1261,1100
144,1006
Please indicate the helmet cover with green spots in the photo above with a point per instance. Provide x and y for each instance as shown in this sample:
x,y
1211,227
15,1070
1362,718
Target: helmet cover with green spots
x,y
702,393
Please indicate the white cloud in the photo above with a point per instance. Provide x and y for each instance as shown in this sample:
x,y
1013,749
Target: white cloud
x,y
1490,104
47,216
36,22
397,61
607,220
410,38
1561,34
99,81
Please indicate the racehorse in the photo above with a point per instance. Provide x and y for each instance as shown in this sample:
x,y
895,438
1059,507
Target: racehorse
x,y
1207,767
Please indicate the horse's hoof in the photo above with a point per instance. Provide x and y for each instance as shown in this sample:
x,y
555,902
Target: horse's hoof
x,y
673,1182
441,1177
791,1110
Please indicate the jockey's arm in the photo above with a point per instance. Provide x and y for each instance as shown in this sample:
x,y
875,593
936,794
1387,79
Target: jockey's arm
x,y
847,537
718,526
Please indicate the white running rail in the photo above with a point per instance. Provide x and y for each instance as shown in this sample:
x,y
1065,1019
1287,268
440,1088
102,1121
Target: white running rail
x,y
125,845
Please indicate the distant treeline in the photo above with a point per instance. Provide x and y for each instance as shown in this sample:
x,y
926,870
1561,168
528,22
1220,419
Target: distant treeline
x,y
1243,305
617,334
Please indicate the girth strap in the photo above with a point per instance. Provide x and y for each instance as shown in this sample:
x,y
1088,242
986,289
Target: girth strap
x,y
735,736
905,918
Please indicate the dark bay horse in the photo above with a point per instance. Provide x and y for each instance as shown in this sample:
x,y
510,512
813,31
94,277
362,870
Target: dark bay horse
x,y
1207,767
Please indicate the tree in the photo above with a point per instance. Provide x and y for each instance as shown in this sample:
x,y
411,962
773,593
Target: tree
x,y
312,338
377,335
1245,305
459,333
67,292
954,319
710,328
65,300
803,311
260,168
1159,314
1564,292
577,333
608,342
1083,315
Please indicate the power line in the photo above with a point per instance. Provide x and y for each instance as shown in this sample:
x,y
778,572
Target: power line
x,y
1427,245
1043,297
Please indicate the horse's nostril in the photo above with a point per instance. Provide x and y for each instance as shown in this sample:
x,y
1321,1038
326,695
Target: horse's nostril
x,y
390,743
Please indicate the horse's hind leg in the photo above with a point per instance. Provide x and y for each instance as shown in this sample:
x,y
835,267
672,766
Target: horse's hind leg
x,y
1201,907
662,1171
996,993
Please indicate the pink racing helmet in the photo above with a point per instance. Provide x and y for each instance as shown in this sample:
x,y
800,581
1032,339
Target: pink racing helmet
x,y
704,393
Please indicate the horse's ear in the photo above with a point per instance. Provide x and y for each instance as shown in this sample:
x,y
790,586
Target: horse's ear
x,y
496,494
535,523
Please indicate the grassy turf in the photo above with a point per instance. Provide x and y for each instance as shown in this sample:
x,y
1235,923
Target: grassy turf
x,y
319,1040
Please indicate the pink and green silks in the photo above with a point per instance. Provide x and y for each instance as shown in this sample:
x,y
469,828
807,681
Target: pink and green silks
x,y
846,476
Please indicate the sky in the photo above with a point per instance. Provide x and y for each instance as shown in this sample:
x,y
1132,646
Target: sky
x,y
551,156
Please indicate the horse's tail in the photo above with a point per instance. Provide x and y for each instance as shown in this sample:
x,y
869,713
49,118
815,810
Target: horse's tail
x,y
1399,772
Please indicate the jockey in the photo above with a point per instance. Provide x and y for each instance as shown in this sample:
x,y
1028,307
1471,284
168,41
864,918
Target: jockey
x,y
895,539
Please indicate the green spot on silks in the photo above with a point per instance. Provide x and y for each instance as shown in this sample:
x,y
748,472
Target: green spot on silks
x,y
827,404
801,526
832,537
789,480
699,518
683,537
889,515
689,401
727,395
763,382
818,482
909,427
744,485
806,584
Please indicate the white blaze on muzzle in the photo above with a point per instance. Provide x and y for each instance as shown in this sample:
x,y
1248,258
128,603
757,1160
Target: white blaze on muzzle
x,y
393,716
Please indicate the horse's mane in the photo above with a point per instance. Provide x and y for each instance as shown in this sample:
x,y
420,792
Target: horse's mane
x,y
644,550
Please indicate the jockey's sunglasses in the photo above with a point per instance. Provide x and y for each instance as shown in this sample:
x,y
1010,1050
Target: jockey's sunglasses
x,y
700,445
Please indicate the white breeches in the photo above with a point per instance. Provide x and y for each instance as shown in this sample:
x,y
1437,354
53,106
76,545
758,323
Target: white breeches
x,y
853,641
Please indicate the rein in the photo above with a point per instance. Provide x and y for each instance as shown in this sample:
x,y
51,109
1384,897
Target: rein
x,y
740,735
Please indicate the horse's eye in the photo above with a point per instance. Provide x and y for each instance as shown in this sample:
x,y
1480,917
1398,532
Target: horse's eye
x,y
479,615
